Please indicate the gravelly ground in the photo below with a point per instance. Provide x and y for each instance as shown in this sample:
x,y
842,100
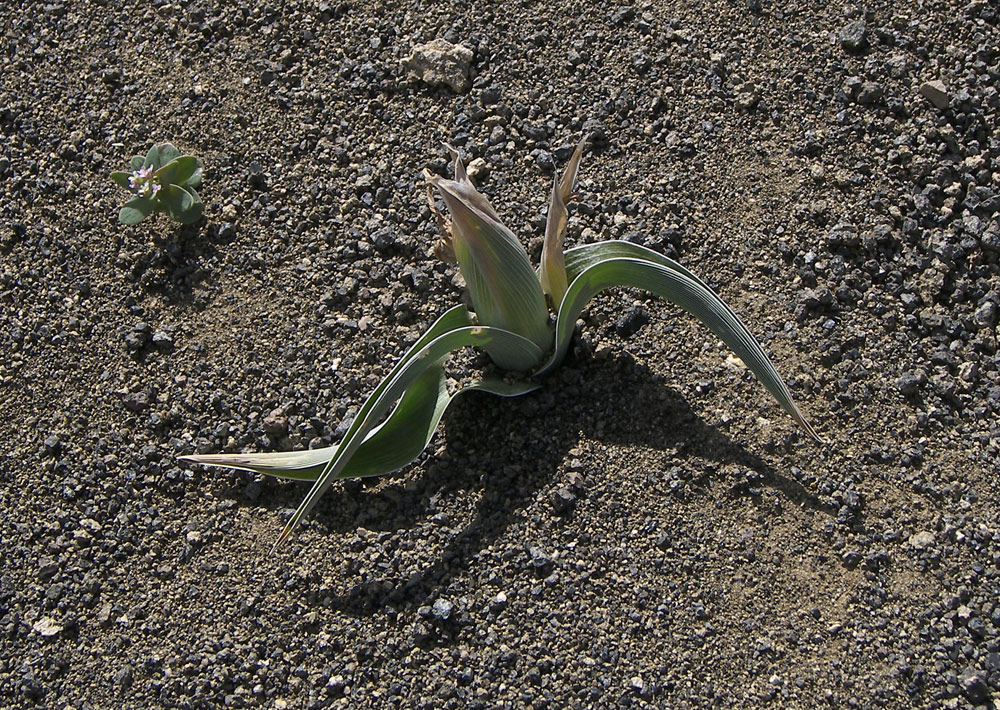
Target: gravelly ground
x,y
649,530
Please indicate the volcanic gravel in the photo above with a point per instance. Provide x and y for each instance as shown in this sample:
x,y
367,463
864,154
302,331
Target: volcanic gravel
x,y
647,531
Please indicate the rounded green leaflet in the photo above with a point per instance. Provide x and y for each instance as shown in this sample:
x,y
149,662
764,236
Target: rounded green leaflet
x,y
165,152
179,171
180,203
136,210
121,179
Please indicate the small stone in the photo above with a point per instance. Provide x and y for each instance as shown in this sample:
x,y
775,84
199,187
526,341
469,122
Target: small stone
x,y
275,423
336,686
441,63
870,93
974,686
921,540
136,401
442,609
491,95
478,169
47,568
854,37
843,235
984,317
562,500
123,678
498,603
977,628
47,627
632,322
908,383
936,93
162,340
134,341
540,561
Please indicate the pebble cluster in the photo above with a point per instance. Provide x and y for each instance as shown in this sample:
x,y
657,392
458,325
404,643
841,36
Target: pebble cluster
x,y
649,530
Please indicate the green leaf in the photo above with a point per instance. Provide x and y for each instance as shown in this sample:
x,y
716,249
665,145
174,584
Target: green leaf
x,y
193,213
176,201
137,162
152,158
446,336
166,153
195,179
596,267
136,210
121,179
451,331
398,441
178,171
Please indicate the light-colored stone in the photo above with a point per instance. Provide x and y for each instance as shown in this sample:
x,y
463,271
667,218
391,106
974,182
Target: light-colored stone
x,y
936,92
477,169
441,63
47,626
922,540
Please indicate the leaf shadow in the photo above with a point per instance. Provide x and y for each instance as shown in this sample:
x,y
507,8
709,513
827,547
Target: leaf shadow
x,y
508,471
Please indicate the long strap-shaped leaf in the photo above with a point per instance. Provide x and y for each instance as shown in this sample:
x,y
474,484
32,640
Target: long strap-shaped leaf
x,y
516,348
596,267
388,447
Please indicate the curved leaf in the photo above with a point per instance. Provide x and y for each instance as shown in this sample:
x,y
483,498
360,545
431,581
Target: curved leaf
x,y
136,210
165,153
392,387
597,268
405,434
178,171
152,158
504,289
396,442
552,272
451,331
175,200
452,319
121,179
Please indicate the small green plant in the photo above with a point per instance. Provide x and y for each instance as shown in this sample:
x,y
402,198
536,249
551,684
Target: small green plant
x,y
162,181
511,322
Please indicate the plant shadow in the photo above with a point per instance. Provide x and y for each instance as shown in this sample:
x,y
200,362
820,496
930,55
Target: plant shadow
x,y
175,265
507,471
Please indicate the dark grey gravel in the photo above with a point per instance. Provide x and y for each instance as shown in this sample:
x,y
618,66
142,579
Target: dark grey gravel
x,y
647,531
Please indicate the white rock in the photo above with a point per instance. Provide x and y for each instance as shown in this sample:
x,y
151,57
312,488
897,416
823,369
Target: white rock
x,y
47,626
441,63
921,540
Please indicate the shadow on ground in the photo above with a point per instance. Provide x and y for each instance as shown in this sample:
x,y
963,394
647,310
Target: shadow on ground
x,y
483,434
